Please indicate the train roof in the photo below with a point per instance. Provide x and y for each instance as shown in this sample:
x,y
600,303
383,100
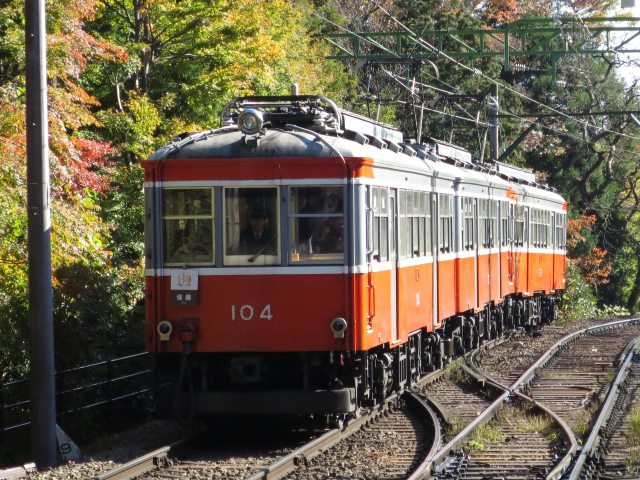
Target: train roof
x,y
314,126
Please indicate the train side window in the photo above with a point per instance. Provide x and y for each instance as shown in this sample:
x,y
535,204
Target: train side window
x,y
415,222
483,223
413,214
251,226
404,212
316,224
532,239
188,226
380,234
560,231
520,230
547,229
504,224
468,231
493,224
423,224
445,223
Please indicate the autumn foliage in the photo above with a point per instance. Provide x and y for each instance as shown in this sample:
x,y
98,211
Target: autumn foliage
x,y
595,270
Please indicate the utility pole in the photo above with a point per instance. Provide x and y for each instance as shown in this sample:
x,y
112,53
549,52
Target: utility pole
x,y
43,406
492,118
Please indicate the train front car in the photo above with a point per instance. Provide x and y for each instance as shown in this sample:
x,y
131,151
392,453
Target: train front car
x,y
250,239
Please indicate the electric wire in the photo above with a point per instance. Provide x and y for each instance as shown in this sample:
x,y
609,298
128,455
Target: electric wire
x,y
481,74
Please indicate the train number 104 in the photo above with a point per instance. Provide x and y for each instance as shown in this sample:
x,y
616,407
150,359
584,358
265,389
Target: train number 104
x,y
249,312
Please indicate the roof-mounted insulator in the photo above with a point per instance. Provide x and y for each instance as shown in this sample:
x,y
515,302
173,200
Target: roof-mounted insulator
x,y
376,142
407,150
361,139
394,147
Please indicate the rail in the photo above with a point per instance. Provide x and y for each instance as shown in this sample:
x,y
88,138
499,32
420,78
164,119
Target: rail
x,y
592,444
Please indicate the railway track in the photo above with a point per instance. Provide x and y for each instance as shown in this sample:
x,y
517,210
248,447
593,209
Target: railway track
x,y
611,451
402,425
521,436
525,430
222,452
497,434
459,396
390,446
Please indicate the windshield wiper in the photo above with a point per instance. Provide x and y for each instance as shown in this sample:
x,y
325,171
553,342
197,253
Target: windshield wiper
x,y
253,257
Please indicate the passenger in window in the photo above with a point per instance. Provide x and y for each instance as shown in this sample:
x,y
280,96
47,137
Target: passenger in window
x,y
333,237
311,203
309,228
257,235
333,231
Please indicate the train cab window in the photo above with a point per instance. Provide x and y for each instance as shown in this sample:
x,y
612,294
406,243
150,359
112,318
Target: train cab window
x,y
316,224
540,227
445,223
188,226
251,226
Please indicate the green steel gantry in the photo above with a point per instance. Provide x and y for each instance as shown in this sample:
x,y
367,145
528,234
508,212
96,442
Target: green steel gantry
x,y
552,38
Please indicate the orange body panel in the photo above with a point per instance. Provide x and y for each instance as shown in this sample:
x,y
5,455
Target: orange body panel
x,y
373,309
507,267
559,271
232,313
520,272
466,284
446,289
256,168
540,272
488,278
415,299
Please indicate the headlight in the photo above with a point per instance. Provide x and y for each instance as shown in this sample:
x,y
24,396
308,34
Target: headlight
x,y
250,121
164,330
338,327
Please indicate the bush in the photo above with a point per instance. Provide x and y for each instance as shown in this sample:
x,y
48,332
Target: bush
x,y
579,300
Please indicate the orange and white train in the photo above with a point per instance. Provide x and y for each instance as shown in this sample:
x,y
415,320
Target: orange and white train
x,y
302,259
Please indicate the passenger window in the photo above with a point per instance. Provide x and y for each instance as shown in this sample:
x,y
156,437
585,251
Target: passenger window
x,y
380,206
445,227
188,226
520,220
251,226
316,224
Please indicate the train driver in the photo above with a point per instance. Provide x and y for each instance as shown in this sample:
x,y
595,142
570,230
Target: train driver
x,y
257,235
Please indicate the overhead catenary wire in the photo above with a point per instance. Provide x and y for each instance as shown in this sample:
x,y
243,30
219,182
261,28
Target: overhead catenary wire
x,y
379,45
469,119
481,74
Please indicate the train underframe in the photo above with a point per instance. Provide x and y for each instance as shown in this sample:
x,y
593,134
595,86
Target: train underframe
x,y
335,384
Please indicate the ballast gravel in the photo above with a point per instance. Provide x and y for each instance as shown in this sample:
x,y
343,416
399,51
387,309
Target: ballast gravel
x,y
108,452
